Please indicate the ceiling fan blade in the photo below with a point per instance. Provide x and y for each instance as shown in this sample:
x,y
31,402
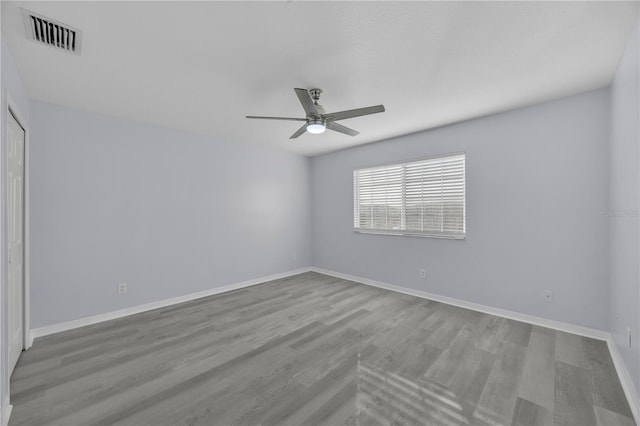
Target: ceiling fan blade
x,y
342,129
276,118
298,132
307,102
341,115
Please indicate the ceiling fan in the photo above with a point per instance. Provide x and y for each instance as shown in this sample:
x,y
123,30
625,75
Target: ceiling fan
x,y
317,120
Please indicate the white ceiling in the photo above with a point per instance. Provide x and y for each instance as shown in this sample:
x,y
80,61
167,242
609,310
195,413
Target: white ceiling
x,y
203,66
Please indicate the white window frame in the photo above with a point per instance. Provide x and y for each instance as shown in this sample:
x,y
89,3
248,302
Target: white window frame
x,y
448,234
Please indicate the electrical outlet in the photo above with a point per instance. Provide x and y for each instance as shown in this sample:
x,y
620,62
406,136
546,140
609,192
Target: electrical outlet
x,y
423,273
122,288
629,336
548,296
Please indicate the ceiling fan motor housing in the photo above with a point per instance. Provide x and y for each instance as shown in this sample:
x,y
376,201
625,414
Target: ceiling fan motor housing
x,y
315,94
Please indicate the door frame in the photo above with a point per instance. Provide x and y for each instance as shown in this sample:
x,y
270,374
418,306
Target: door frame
x,y
11,109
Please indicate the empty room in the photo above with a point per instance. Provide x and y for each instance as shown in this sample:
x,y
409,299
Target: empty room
x,y
320,213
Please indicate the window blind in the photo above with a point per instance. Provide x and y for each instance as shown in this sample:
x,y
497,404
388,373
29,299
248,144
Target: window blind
x,y
424,197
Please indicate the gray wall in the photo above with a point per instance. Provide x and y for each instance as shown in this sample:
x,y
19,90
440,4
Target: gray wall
x,y
625,207
169,213
537,185
11,84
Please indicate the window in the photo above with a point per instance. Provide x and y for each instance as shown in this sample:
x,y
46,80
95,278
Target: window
x,y
424,197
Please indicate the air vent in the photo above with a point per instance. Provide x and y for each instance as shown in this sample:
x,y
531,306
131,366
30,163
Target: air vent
x,y
51,33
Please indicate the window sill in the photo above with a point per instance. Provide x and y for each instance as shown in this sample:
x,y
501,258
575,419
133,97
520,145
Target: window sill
x,y
411,234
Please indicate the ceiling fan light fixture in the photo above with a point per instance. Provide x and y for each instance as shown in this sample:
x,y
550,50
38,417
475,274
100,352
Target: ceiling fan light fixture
x,y
316,127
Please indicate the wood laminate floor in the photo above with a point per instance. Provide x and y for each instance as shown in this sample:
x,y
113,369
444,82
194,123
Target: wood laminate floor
x,y
311,350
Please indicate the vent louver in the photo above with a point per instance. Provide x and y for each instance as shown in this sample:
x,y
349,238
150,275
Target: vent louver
x,y
51,33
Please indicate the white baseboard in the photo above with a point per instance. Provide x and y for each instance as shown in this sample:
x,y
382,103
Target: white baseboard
x,y
29,342
94,319
531,319
625,379
6,412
